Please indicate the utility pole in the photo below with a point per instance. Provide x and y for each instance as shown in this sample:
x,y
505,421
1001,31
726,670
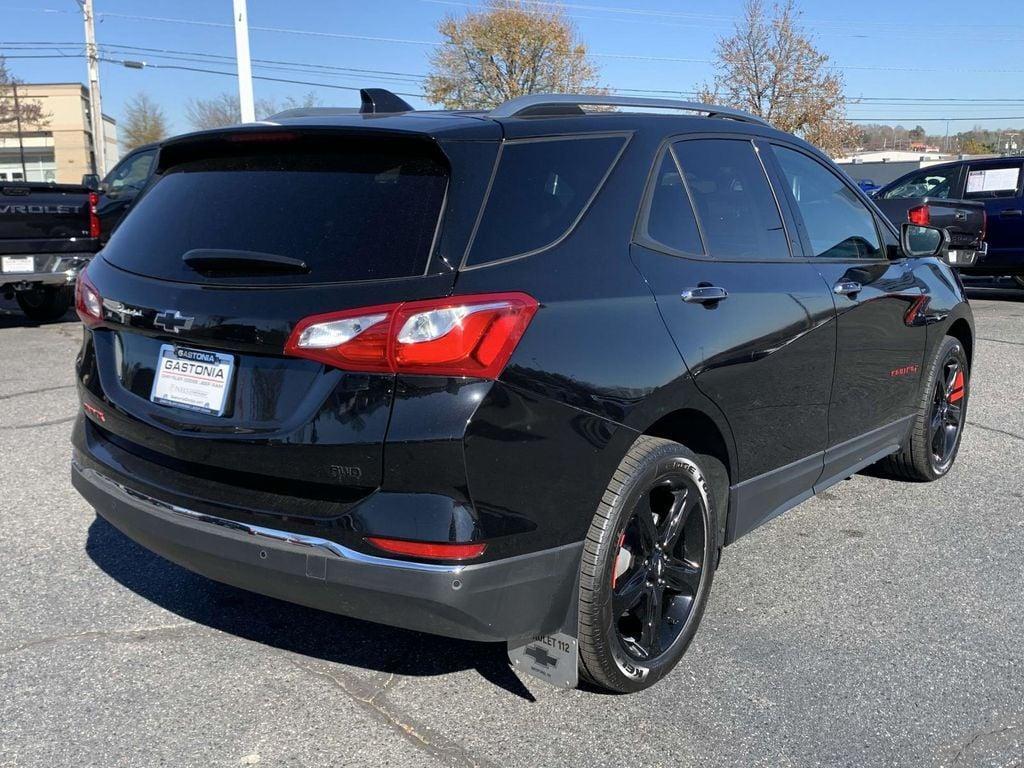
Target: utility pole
x,y
21,140
99,144
245,97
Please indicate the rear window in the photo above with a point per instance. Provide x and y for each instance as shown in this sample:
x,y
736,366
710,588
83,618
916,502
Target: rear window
x,y
670,219
541,189
992,181
927,183
351,210
736,208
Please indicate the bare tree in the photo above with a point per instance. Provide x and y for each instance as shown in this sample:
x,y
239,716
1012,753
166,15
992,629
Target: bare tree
x,y
144,122
29,111
223,109
506,50
770,67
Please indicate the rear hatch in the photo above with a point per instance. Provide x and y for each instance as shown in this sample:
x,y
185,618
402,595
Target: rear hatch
x,y
241,236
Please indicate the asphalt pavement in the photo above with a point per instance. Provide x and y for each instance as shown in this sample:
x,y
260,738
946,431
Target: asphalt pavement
x,y
880,623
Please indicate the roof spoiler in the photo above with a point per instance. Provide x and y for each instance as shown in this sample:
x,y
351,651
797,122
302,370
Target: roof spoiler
x,y
372,101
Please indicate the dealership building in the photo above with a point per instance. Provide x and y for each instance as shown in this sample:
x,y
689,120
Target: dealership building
x,y
62,148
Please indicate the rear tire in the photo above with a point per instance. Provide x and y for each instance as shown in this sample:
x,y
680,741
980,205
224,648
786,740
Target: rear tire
x,y
44,304
930,449
648,563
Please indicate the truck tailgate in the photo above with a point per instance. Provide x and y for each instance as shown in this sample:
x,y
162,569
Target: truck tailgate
x,y
43,212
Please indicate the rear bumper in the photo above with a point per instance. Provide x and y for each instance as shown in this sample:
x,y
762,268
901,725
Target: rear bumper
x,y
994,264
50,269
496,601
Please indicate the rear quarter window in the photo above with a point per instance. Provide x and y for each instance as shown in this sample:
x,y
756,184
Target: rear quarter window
x,y
540,190
352,210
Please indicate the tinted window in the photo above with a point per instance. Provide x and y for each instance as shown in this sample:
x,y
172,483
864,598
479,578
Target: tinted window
x,y
369,211
839,225
992,181
540,190
926,183
736,208
132,172
670,219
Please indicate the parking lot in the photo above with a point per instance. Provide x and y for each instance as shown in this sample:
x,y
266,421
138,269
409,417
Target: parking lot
x,y
880,623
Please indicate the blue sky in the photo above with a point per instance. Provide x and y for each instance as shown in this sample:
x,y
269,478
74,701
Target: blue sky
x,y
886,50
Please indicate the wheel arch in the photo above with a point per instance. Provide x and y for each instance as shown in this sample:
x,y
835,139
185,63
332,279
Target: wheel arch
x,y
703,435
960,330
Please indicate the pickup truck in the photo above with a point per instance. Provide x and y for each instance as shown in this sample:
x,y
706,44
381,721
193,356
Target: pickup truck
x,y
49,232
995,183
963,220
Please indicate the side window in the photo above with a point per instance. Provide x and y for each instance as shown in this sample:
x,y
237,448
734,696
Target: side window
x,y
733,200
926,183
670,219
839,225
992,181
131,172
540,189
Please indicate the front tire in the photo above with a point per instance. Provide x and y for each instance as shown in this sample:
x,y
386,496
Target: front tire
x,y
930,449
648,563
44,304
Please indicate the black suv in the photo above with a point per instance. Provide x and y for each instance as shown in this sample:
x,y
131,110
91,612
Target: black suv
x,y
515,375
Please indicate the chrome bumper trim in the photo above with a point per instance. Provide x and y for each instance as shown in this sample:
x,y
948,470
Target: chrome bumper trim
x,y
298,540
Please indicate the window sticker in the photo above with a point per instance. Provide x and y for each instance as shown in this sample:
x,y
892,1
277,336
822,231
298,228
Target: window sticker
x,y
993,180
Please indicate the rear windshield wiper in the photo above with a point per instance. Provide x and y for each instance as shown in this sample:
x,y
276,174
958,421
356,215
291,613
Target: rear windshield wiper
x,y
242,262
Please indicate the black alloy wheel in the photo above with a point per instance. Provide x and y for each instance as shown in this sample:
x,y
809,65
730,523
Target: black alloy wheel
x,y
648,563
658,567
931,446
947,416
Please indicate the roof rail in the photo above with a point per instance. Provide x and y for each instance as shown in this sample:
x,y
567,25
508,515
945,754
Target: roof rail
x,y
547,104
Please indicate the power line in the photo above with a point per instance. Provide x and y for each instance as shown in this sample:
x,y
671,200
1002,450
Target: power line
x,y
434,44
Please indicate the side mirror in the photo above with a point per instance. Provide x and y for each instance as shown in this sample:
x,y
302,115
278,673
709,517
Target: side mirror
x,y
91,182
918,241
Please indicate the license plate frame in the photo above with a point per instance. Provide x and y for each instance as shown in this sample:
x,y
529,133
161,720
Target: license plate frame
x,y
198,380
17,265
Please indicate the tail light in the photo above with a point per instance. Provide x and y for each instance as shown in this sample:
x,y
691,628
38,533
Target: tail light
x,y
88,303
429,550
458,336
919,215
94,219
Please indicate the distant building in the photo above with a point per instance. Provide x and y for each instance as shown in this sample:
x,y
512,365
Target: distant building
x,y
62,149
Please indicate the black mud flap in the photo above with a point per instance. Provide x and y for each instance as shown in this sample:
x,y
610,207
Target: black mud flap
x,y
553,657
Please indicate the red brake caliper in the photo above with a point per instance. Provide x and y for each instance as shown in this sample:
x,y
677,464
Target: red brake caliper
x,y
618,554
958,388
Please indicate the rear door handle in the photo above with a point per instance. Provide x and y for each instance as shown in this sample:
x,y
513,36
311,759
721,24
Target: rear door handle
x,y
704,294
847,288
1013,213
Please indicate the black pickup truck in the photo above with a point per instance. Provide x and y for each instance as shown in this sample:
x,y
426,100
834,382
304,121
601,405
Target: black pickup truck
x,y
48,232
963,220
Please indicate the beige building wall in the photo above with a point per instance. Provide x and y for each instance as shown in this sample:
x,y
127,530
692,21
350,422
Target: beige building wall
x,y
61,149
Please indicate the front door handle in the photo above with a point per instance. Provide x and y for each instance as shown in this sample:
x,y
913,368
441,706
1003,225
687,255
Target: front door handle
x,y
847,288
704,294
1013,213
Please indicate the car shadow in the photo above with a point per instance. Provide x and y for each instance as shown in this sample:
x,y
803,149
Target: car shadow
x,y
289,627
12,317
